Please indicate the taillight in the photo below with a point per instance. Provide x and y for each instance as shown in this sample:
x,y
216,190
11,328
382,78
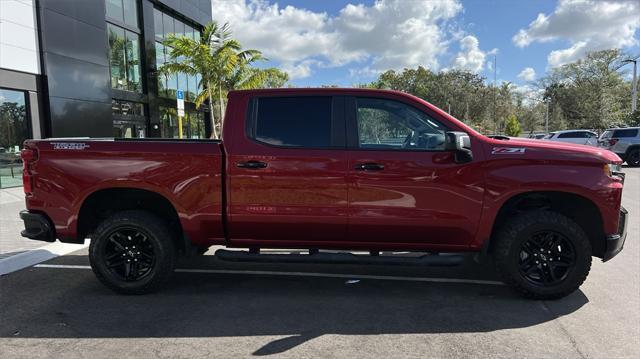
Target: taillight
x,y
613,141
28,156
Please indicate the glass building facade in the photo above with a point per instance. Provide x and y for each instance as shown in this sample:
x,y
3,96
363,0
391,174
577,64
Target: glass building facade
x,y
90,69
126,66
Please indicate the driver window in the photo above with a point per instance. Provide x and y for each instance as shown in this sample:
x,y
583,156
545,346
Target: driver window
x,y
392,125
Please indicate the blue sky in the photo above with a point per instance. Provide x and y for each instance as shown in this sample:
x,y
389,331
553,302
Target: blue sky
x,y
321,42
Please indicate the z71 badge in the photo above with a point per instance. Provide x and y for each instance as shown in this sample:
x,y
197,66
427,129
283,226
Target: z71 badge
x,y
508,151
69,145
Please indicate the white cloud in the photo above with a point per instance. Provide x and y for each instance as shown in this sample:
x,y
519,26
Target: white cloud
x,y
530,94
470,57
390,34
589,25
299,70
527,74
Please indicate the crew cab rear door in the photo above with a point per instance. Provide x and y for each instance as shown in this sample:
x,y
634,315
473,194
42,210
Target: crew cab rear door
x,y
404,188
286,170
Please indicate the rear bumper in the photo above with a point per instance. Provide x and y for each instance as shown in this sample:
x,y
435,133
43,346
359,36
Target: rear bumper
x,y
37,227
614,243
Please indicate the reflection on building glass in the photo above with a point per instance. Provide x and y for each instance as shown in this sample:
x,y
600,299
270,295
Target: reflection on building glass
x,y
127,108
193,125
124,11
164,25
124,59
14,129
129,119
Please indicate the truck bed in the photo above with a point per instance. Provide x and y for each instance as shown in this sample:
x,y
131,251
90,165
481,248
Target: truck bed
x,y
187,173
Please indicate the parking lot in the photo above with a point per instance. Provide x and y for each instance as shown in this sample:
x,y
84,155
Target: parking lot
x,y
217,309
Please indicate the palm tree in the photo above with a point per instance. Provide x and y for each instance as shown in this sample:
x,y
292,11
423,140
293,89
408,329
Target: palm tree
x,y
220,61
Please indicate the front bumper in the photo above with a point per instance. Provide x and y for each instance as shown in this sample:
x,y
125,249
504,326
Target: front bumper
x,y
614,243
37,227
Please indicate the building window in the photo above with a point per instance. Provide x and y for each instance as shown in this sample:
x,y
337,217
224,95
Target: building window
x,y
127,108
164,25
124,59
124,11
193,125
129,119
14,129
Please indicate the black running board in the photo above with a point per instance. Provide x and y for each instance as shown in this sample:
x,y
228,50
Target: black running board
x,y
432,260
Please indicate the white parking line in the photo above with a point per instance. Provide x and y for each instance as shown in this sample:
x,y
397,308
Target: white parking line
x,y
38,255
305,274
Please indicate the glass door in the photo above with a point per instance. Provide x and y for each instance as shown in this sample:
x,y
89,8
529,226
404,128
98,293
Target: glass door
x,y
14,129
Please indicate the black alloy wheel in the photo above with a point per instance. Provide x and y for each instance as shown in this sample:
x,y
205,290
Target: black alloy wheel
x,y
129,254
546,258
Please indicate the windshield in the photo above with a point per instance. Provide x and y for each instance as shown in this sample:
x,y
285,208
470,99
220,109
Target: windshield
x,y
606,134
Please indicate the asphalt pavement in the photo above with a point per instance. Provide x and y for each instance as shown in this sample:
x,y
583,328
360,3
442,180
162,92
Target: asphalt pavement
x,y
230,310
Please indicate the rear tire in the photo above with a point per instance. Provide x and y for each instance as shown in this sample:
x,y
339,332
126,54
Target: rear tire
x,y
633,158
132,252
542,255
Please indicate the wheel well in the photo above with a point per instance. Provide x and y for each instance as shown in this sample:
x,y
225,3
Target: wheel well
x,y
103,203
580,209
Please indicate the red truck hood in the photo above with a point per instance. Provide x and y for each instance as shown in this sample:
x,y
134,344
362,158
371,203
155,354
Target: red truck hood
x,y
560,150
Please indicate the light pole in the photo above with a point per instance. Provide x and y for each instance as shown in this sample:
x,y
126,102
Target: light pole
x,y
634,85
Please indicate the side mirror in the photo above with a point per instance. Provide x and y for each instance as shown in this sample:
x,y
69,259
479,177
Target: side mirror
x,y
460,143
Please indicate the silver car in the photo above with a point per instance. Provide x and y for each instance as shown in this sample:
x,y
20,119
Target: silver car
x,y
625,142
580,137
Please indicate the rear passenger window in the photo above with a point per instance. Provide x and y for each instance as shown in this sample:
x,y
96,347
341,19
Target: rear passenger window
x,y
294,121
625,133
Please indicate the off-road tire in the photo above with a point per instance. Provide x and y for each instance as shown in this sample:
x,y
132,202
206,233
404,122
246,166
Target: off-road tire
x,y
160,241
516,231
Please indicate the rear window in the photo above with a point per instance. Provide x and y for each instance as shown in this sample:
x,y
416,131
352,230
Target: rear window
x,y
294,121
627,132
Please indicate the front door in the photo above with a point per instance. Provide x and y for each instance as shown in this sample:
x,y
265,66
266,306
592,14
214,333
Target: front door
x,y
287,172
404,188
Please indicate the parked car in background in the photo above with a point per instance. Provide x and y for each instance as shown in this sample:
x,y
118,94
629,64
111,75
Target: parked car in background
x,y
581,137
625,142
537,136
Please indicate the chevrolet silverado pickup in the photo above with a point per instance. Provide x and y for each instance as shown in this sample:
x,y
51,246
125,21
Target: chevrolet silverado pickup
x,y
351,175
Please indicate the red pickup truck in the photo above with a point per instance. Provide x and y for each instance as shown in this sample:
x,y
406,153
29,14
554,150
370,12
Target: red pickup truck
x,y
346,170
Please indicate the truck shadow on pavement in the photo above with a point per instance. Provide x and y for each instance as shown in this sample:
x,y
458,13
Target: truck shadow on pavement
x,y
71,303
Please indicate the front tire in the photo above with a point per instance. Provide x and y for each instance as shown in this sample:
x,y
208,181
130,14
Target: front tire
x,y
132,252
542,254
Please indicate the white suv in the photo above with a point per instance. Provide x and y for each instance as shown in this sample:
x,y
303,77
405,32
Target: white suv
x,y
581,137
625,142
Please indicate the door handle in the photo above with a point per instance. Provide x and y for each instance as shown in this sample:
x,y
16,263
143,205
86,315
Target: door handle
x,y
369,167
252,165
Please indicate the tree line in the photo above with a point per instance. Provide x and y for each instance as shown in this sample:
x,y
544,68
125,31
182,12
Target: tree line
x,y
591,93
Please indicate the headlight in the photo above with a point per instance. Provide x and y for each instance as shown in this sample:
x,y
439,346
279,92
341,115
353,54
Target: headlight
x,y
612,169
